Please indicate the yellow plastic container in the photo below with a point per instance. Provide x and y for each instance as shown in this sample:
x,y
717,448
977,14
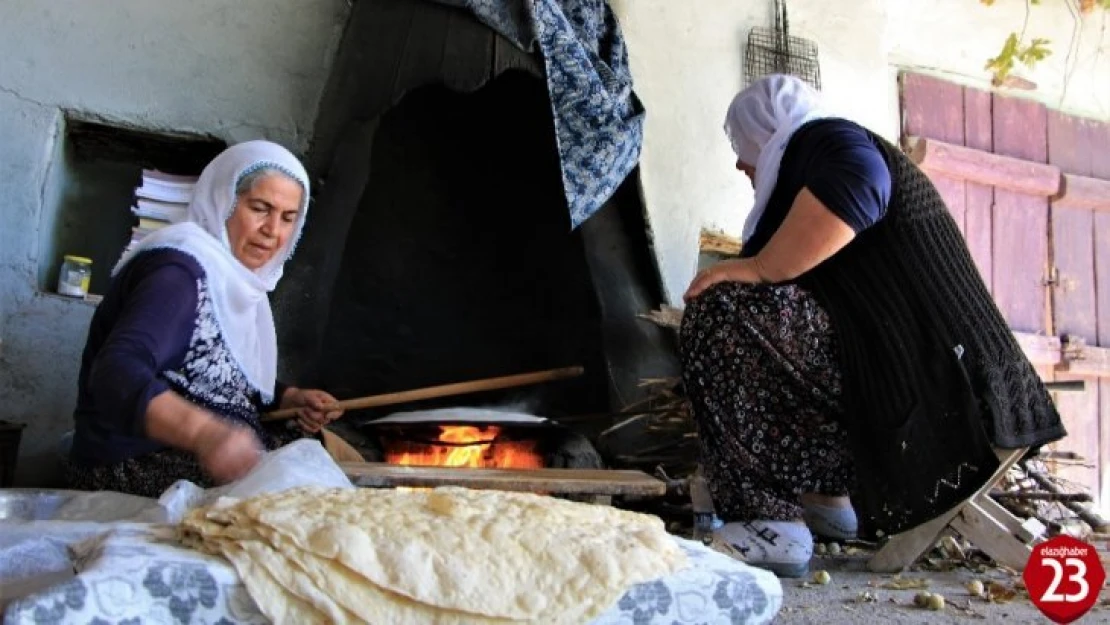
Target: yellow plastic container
x,y
74,278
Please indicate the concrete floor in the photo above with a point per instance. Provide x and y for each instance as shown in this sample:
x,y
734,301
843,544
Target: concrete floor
x,y
839,601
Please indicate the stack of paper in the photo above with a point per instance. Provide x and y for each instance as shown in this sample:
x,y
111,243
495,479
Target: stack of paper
x,y
160,200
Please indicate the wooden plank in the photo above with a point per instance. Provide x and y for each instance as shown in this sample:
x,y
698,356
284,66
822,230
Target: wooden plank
x,y
1099,140
991,536
1079,412
1084,192
1100,225
1073,257
1073,253
1104,447
716,242
979,205
1021,220
932,108
1027,529
1098,137
1087,361
562,481
954,193
1042,351
963,163
1020,129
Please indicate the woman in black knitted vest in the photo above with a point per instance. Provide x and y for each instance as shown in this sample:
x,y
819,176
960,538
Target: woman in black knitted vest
x,y
852,349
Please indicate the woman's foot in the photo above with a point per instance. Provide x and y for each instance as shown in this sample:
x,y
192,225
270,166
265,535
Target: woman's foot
x,y
782,547
829,517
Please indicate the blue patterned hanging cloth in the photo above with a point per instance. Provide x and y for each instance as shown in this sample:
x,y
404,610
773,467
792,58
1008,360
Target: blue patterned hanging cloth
x,y
599,121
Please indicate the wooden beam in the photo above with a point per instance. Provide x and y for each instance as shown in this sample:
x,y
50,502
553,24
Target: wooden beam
x,y
561,481
1040,350
1078,358
992,535
984,168
1084,193
719,243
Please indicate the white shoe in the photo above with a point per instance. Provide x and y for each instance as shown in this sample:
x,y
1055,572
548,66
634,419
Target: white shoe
x,y
782,547
831,522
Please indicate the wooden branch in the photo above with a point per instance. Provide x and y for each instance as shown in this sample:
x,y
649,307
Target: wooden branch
x,y
1027,496
1084,193
719,243
1092,518
666,316
984,168
444,390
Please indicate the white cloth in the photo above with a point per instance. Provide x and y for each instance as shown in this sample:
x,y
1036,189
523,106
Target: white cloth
x,y
239,295
760,121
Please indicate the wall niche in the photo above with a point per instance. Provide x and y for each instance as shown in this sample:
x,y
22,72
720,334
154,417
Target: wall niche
x,y
90,189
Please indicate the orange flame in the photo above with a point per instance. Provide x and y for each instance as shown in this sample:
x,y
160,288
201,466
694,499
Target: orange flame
x,y
470,447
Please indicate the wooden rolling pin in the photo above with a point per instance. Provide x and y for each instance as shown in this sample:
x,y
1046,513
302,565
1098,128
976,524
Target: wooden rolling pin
x,y
445,390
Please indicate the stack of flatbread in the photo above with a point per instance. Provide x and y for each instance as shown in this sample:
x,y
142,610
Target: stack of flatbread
x,y
449,555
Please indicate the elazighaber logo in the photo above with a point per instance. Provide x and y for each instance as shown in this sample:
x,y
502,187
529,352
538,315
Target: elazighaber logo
x,y
1064,576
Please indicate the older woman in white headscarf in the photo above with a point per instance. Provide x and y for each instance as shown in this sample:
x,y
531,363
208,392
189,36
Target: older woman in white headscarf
x,y
181,356
852,349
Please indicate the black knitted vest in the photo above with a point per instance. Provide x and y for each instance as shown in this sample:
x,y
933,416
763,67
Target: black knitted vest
x,y
933,377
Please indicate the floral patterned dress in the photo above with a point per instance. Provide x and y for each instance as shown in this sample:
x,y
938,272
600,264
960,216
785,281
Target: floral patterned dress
x,y
760,369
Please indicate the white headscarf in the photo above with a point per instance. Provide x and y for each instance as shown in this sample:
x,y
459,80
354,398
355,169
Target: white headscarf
x,y
760,122
239,295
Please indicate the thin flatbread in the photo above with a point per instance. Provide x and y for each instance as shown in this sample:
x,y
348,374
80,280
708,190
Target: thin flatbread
x,y
445,555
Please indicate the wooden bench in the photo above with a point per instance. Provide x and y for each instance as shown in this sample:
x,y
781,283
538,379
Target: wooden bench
x,y
598,484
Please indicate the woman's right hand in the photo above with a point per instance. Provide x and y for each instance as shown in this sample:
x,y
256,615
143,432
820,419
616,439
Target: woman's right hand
x,y
744,270
227,452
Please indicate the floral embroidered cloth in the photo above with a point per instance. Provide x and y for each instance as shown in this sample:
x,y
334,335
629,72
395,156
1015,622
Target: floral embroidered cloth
x,y
599,121
135,573
110,559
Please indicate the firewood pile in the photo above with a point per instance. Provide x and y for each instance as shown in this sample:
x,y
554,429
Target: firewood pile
x,y
1032,490
655,435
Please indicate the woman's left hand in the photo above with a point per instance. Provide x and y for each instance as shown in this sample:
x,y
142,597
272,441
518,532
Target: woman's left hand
x,y
312,403
738,270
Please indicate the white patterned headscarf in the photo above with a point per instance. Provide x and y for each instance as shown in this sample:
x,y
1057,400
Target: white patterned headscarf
x,y
760,121
239,295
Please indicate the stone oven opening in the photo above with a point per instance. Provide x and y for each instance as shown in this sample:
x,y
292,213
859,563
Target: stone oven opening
x,y
459,262
440,250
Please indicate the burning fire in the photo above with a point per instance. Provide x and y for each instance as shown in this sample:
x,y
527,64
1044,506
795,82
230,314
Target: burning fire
x,y
468,446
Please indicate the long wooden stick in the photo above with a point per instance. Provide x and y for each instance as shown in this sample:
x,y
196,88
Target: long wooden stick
x,y
458,388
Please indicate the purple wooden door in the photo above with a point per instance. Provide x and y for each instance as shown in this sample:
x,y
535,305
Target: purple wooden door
x,y
1047,266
